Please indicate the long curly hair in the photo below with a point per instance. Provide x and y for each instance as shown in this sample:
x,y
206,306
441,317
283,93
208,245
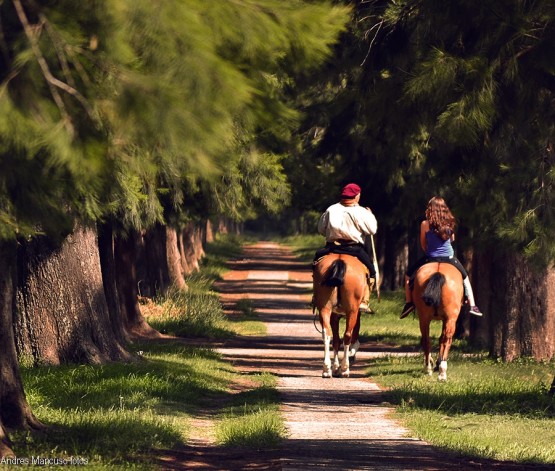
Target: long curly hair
x,y
441,220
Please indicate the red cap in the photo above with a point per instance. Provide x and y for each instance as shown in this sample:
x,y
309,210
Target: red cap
x,y
350,190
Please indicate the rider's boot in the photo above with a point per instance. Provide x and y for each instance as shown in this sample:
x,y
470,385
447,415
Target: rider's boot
x,y
365,304
409,305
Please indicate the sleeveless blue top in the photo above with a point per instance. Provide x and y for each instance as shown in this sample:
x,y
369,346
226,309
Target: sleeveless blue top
x,y
437,247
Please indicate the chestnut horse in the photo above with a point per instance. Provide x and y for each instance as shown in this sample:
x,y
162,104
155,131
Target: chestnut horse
x,y
438,295
339,283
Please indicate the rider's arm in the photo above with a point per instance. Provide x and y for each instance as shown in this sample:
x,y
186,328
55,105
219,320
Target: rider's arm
x,y
323,223
367,221
424,227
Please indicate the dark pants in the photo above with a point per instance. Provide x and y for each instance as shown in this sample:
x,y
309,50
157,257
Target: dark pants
x,y
422,261
356,250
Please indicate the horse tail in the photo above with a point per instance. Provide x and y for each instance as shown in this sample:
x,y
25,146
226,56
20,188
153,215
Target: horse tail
x,y
335,274
432,293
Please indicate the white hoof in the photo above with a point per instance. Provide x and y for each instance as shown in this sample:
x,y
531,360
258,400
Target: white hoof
x,y
442,371
345,374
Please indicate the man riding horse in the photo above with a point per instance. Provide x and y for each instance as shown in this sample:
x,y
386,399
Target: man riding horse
x,y
345,225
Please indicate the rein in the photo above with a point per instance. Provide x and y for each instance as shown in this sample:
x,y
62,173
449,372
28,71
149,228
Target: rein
x,y
314,319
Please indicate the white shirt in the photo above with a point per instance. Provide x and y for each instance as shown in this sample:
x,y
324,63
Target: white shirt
x,y
347,223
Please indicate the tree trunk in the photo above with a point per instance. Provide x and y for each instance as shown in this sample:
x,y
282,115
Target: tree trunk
x,y
173,258
395,252
209,232
189,250
125,256
62,315
199,242
161,261
182,241
465,324
153,277
108,267
15,412
522,308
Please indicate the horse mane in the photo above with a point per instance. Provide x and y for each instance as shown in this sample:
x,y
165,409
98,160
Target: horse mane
x,y
432,294
335,274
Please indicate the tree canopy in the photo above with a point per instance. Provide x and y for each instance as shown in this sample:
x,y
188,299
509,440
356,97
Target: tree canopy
x,y
125,109
420,102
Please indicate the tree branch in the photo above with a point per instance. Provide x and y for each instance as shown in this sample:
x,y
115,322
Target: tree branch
x,y
53,83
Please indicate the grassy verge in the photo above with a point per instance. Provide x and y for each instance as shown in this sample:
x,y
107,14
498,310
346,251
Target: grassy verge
x,y
487,408
121,416
116,415
252,419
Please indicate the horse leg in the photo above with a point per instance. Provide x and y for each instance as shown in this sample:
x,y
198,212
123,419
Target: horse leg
x,y
335,342
325,314
351,318
426,343
446,340
355,344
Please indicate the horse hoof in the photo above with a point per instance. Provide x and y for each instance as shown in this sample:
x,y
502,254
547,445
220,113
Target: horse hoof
x,y
326,374
345,374
442,371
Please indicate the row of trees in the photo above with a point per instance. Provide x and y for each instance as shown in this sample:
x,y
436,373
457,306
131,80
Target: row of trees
x,y
126,127
457,99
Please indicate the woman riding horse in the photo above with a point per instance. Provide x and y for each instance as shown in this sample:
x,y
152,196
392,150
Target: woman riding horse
x,y
437,232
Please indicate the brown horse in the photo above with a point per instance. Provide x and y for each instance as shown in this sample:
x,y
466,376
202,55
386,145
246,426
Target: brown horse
x,y
438,295
339,283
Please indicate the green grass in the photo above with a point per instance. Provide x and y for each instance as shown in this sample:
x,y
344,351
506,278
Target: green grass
x,y
253,419
118,414
486,409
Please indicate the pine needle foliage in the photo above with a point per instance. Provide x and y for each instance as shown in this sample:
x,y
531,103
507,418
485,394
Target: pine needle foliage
x,y
452,98
112,109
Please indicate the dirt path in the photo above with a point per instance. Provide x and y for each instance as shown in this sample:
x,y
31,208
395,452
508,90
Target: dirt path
x,y
335,424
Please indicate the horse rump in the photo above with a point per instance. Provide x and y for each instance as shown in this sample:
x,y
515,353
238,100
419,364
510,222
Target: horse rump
x,y
432,294
335,274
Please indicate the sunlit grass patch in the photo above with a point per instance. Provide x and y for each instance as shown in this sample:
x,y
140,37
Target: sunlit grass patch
x,y
384,326
245,320
190,314
252,419
117,414
486,408
253,429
